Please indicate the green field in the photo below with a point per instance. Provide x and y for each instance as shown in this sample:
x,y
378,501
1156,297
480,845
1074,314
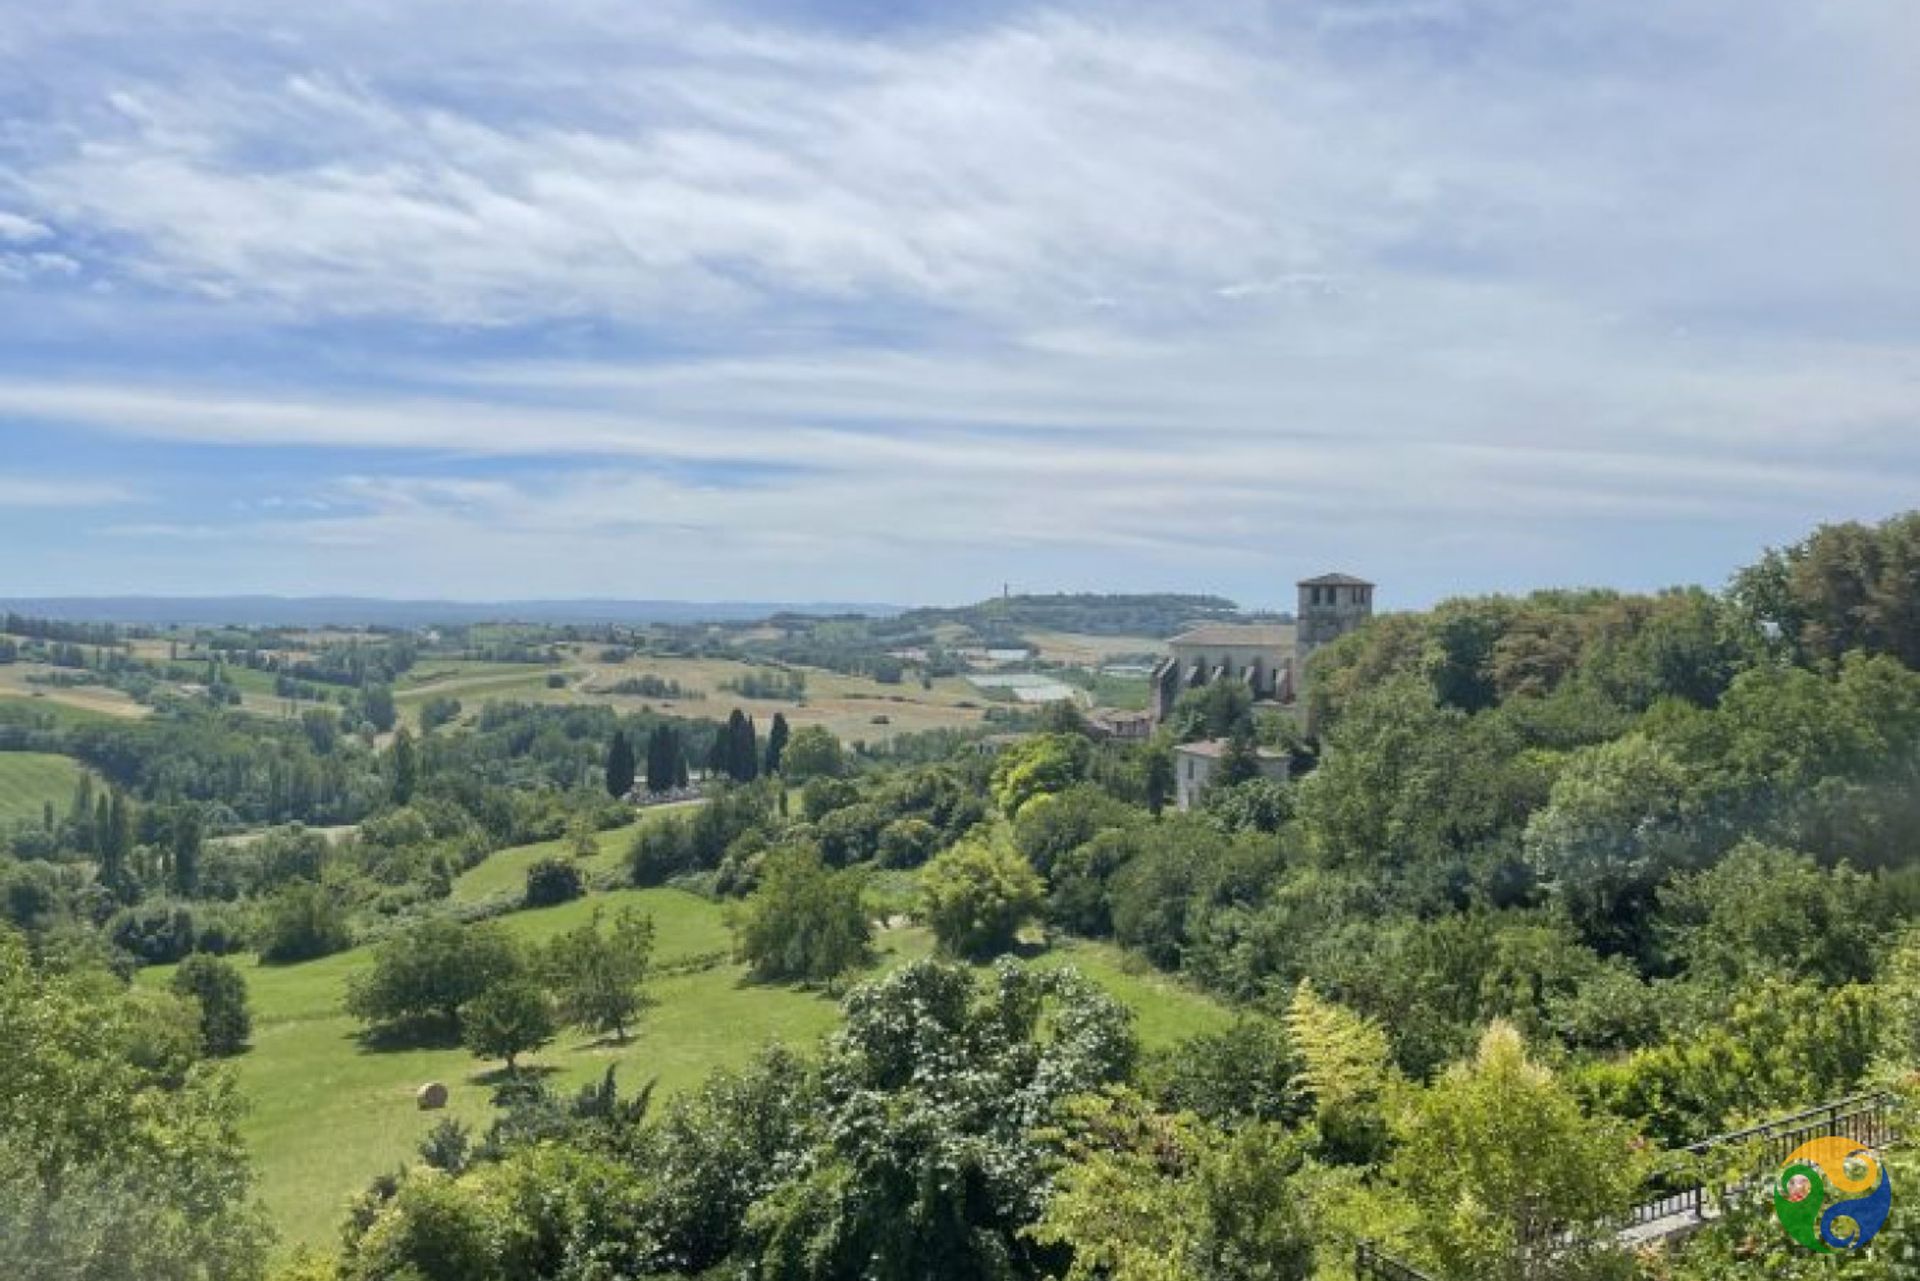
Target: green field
x,y
505,873
327,1114
28,780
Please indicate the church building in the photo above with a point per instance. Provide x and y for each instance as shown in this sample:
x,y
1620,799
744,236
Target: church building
x,y
1269,657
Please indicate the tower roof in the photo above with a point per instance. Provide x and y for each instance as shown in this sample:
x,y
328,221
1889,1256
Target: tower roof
x,y
1334,580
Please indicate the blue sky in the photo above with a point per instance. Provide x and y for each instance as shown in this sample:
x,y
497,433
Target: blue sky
x,y
891,301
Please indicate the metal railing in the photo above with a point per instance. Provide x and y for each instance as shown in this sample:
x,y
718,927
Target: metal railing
x,y
1867,1119
1369,1264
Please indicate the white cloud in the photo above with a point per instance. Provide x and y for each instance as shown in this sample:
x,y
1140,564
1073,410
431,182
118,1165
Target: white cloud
x,y
19,230
1113,287
38,491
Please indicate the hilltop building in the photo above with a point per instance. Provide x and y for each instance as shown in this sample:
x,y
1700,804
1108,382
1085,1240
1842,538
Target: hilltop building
x,y
1330,606
1269,657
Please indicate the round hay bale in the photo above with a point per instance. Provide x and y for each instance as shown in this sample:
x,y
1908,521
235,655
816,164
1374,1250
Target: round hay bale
x,y
431,1097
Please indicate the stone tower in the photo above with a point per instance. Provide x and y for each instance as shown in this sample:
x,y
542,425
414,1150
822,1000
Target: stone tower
x,y
1330,606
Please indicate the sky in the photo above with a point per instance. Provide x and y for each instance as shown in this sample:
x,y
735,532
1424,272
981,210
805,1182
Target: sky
x,y
894,301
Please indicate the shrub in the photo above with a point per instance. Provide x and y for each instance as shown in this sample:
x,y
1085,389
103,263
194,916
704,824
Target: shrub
x,y
804,922
160,933
221,993
300,923
553,880
907,842
660,852
977,895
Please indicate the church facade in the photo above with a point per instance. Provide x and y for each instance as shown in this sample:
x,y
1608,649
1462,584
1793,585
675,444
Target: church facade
x,y
1269,657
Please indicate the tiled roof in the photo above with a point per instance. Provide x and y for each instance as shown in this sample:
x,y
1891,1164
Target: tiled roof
x,y
1237,634
1334,580
1217,747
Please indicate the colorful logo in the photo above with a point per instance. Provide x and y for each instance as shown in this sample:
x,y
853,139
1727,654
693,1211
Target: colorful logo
x,y
1832,1194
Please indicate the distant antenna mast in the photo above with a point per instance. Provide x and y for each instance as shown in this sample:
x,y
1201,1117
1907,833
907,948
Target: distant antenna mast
x,y
1006,591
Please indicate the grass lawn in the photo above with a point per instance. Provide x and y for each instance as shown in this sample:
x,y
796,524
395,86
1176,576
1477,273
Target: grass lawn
x,y
327,1114
505,872
28,780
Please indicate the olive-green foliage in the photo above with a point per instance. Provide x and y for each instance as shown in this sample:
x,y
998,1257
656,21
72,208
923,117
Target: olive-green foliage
x,y
429,971
1212,711
220,993
676,845
906,842
508,1018
1079,897
1038,766
1186,877
1050,827
1149,1197
597,975
812,752
804,922
1777,1047
118,1156
301,923
1247,1072
1843,588
1513,1181
1407,782
1614,828
978,894
928,1165
1256,805
553,880
433,1230
1764,911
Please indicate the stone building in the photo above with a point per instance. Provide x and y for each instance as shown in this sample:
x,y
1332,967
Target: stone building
x,y
1330,606
1259,654
1195,763
1269,657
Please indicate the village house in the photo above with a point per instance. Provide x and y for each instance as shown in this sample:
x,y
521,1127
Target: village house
x,y
1194,765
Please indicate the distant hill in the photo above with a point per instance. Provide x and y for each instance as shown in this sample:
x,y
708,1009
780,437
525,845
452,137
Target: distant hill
x,y
1158,614
361,611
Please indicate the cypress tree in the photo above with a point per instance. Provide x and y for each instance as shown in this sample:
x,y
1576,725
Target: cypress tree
x,y
117,848
743,751
776,742
620,768
658,771
677,757
720,755
406,769
80,816
186,850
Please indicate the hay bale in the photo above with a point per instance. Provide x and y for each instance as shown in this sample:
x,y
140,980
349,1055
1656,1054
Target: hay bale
x,y
431,1097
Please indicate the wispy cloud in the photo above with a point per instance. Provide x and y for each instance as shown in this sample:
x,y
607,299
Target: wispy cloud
x,y
1206,293
36,491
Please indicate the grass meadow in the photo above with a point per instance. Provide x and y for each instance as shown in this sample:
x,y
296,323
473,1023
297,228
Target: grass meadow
x,y
28,780
326,1113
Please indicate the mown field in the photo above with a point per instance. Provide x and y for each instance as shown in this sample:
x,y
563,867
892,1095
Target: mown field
x,y
853,707
28,780
70,704
327,1113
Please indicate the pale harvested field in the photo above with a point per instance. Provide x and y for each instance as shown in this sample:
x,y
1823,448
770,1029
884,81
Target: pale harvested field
x,y
86,698
1079,649
844,704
